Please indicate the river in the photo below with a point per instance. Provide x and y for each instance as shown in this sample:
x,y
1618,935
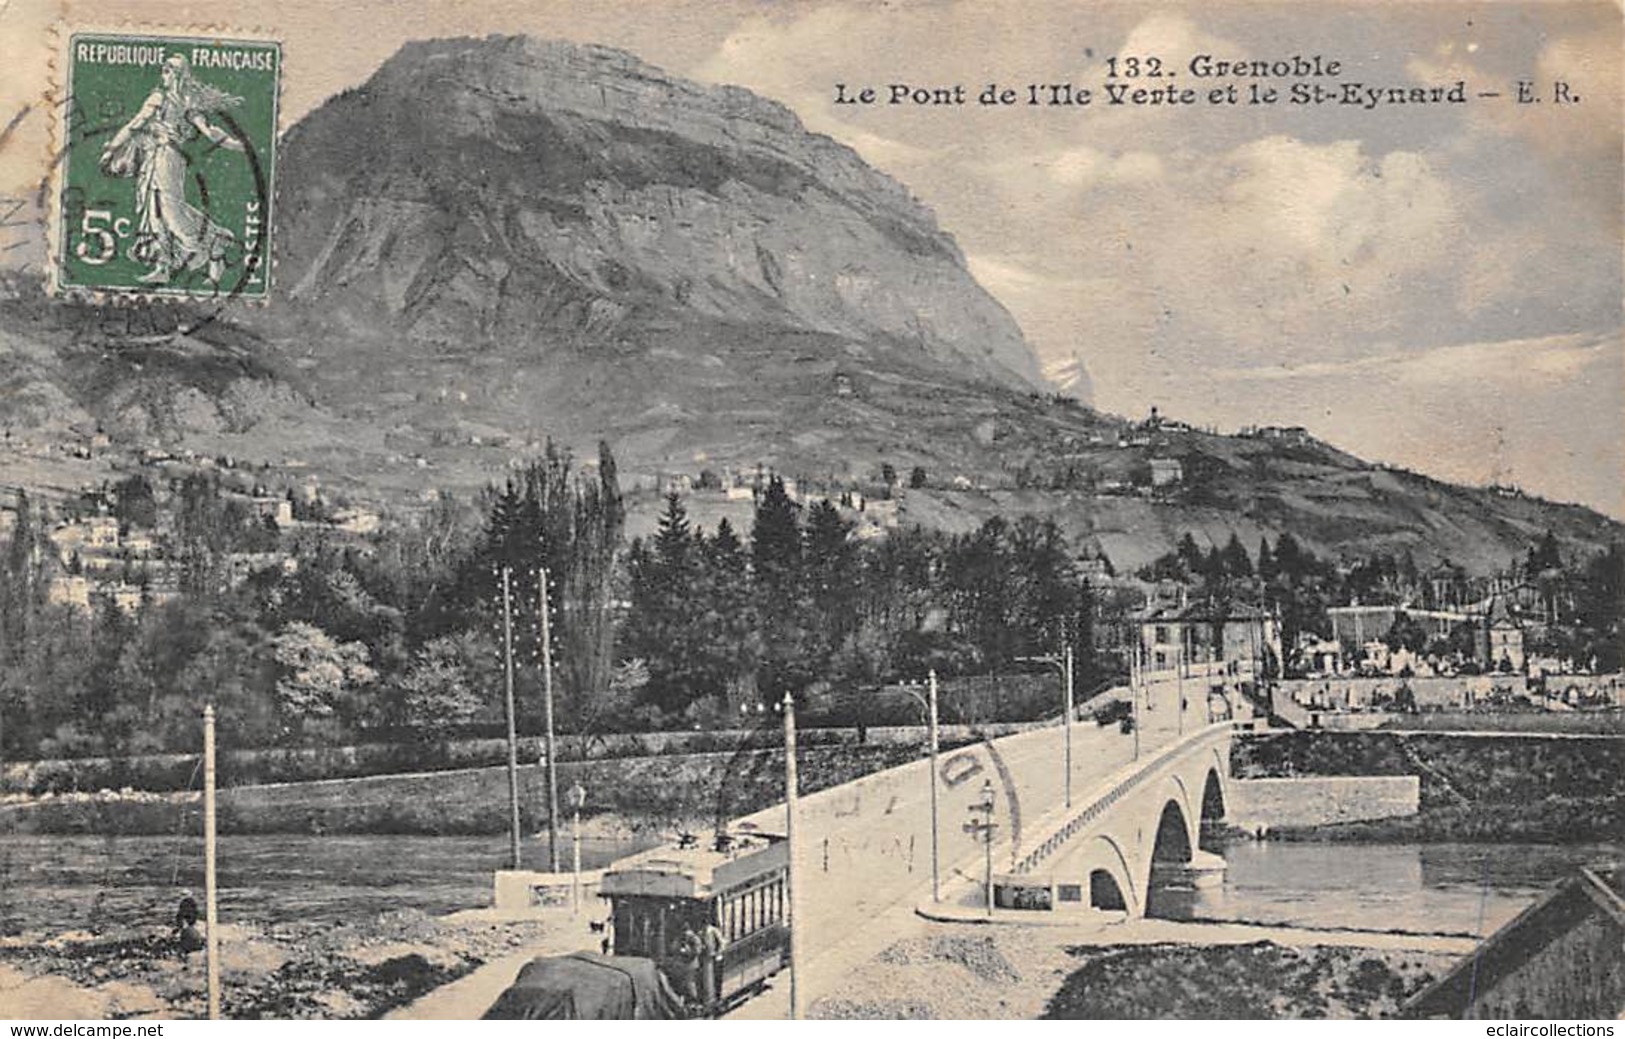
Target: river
x,y
53,884
56,884
1438,888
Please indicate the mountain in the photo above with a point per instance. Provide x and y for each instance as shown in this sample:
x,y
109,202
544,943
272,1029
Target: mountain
x,y
484,192
496,241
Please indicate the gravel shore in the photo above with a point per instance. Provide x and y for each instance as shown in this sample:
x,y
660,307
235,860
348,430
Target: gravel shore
x,y
961,972
302,971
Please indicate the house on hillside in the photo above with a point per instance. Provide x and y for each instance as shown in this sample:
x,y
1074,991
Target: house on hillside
x,y
1166,471
1563,958
1501,638
94,533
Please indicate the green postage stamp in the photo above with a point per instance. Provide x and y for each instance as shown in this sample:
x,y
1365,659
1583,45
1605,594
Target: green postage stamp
x,y
167,153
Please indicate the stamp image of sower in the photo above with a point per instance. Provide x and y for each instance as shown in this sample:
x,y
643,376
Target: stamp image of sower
x,y
165,175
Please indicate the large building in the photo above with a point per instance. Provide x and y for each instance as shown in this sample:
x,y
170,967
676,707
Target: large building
x,y
1207,637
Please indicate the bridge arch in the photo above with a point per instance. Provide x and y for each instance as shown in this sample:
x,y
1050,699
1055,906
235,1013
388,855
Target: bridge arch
x,y
1173,789
1108,858
1213,812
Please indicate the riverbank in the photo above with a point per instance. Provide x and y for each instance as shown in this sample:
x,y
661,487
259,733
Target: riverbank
x,y
298,971
1143,969
1473,788
665,792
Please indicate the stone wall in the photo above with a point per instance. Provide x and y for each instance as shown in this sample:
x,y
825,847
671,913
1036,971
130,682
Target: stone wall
x,y
1314,800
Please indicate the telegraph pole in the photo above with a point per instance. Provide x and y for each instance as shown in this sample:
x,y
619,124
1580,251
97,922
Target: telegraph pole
x,y
936,882
792,878
513,739
1066,655
210,879
547,714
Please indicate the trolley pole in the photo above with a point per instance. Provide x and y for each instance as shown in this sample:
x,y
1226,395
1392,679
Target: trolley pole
x,y
547,714
790,784
936,878
513,739
210,879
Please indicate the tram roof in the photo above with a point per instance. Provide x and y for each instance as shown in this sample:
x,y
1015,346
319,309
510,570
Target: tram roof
x,y
670,871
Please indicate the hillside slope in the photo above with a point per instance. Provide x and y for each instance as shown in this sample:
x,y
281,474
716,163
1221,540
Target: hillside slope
x,y
497,241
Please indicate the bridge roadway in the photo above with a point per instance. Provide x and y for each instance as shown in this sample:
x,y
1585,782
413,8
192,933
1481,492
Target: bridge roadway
x,y
864,848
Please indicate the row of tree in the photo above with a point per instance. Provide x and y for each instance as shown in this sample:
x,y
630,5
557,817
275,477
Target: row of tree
x,y
404,634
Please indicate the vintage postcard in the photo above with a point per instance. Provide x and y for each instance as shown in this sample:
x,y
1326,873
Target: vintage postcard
x,y
812,509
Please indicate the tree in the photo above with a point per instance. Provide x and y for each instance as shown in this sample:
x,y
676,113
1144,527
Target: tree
x,y
442,686
1406,633
916,477
570,524
667,595
778,569
1237,564
319,676
1190,554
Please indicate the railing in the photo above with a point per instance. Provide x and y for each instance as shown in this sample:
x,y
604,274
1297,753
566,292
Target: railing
x,y
1099,805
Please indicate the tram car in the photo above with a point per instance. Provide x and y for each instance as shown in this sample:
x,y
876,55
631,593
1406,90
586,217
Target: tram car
x,y
714,916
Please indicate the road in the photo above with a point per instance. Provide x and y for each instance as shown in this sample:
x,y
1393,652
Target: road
x,y
865,847
864,851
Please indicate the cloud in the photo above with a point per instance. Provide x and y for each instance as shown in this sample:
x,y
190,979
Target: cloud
x,y
1550,358
1176,38
1542,413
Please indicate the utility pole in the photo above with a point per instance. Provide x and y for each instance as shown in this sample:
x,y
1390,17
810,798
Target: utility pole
x,y
936,880
1136,678
930,705
547,714
792,877
1064,664
1066,655
211,885
513,738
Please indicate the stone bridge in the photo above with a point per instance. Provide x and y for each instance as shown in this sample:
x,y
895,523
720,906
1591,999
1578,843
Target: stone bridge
x,y
1140,830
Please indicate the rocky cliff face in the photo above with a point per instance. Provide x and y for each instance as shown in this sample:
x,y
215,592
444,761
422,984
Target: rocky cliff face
x,y
486,191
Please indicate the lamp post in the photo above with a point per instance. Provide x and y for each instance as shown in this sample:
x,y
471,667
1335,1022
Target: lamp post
x,y
211,884
578,797
1064,663
930,704
790,792
982,830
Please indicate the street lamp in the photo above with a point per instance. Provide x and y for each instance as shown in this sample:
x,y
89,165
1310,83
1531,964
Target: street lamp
x,y
930,704
1064,662
982,829
578,797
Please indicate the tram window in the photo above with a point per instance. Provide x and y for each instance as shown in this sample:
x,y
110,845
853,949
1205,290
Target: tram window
x,y
755,908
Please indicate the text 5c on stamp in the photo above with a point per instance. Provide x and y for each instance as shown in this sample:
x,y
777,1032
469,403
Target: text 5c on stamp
x,y
168,153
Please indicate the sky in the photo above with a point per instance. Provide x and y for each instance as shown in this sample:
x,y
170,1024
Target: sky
x,y
1437,287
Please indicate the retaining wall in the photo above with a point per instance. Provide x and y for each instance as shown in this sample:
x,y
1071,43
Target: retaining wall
x,y
1315,800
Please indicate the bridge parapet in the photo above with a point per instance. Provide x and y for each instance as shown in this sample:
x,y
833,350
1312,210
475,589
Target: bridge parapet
x,y
1070,823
